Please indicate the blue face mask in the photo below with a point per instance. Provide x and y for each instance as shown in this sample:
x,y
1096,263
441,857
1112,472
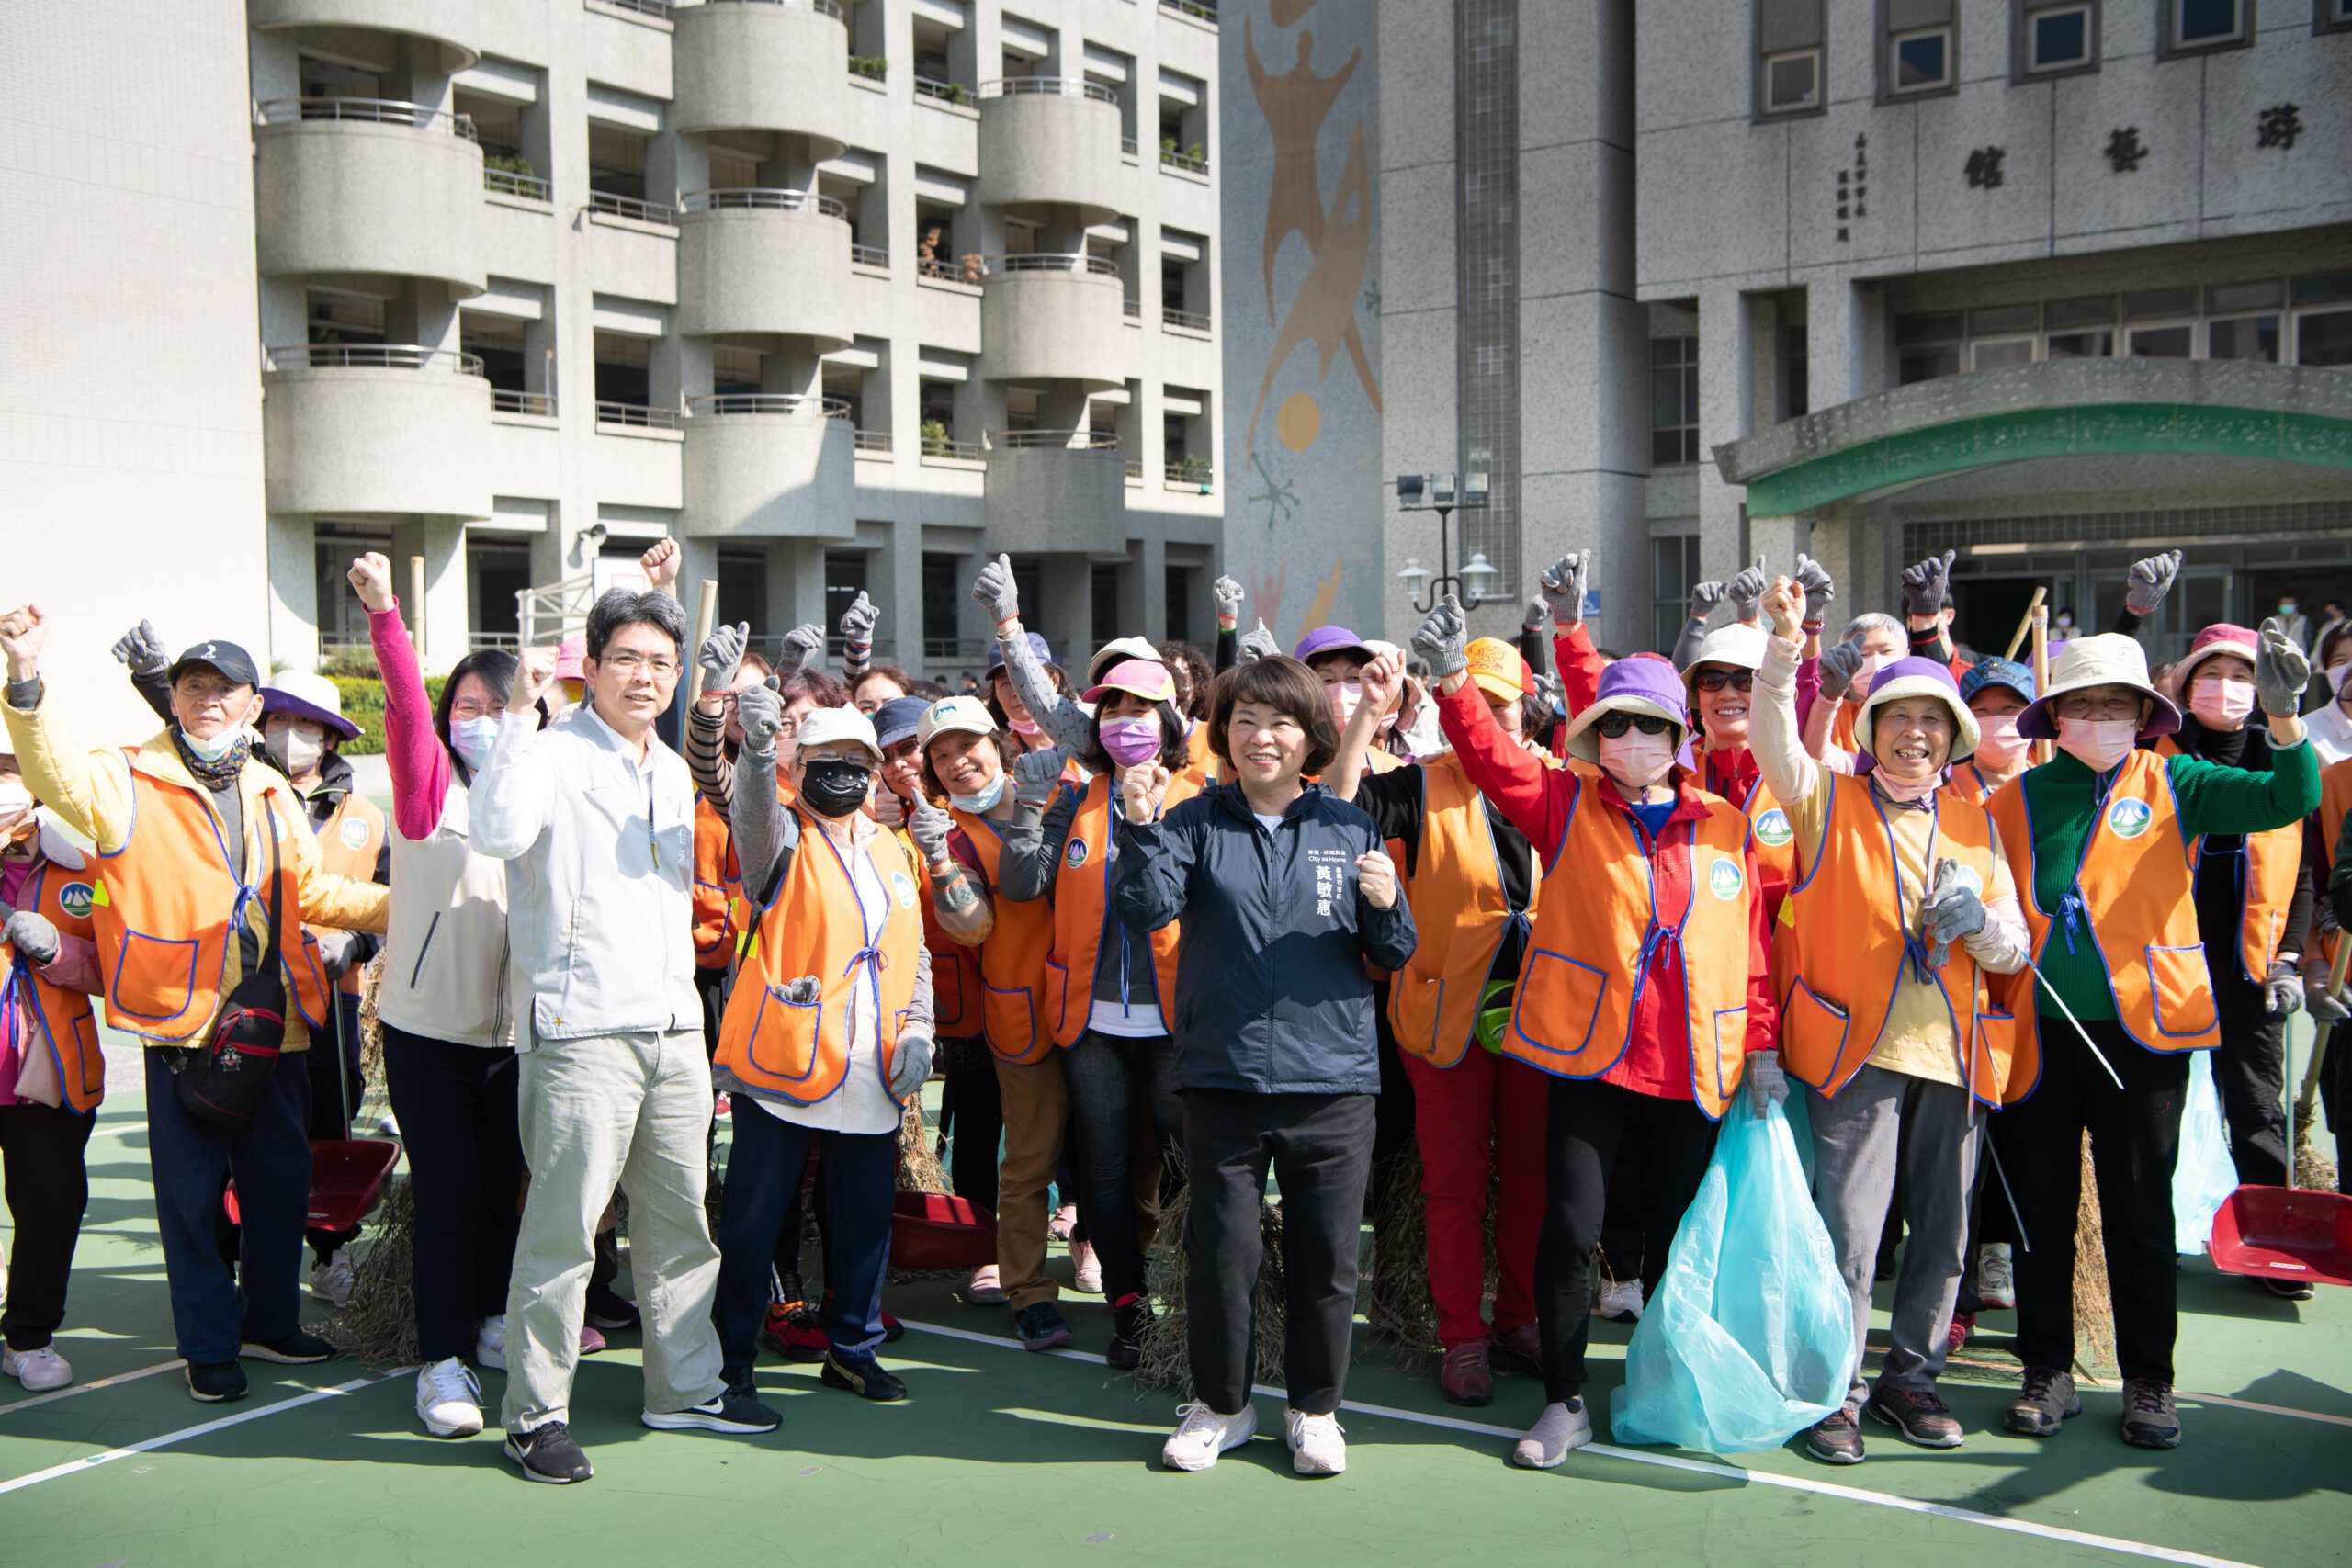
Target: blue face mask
x,y
473,740
983,803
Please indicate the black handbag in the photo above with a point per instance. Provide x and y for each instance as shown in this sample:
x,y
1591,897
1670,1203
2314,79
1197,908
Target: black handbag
x,y
222,1081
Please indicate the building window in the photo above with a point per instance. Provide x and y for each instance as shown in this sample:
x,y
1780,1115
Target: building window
x,y
1674,401
1178,608
1674,570
1919,63
2331,16
942,598
2055,39
2194,24
1792,82
1790,35
1796,372
1486,224
342,618
2160,324
2323,334
2080,329
1925,347
844,580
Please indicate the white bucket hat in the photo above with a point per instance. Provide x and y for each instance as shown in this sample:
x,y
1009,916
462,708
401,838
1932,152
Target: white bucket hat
x,y
839,724
1737,645
1119,650
2110,658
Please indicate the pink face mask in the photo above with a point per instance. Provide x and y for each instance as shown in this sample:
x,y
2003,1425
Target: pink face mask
x,y
1131,740
1025,728
1999,742
1636,760
2220,703
2097,743
1906,792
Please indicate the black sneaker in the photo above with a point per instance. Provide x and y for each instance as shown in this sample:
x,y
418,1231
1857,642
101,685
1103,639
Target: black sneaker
x,y
727,1412
608,1311
1131,1320
2288,1289
863,1378
547,1453
297,1349
1919,1415
1837,1439
1041,1326
2045,1400
2148,1419
216,1382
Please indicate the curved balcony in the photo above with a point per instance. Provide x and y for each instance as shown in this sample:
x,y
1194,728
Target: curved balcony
x,y
449,23
761,65
376,429
1052,140
764,262
1050,490
770,465
1053,317
346,185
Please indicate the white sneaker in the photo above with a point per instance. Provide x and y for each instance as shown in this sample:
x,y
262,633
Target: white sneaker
x,y
489,1343
1558,1429
1088,1267
38,1369
449,1399
1204,1434
388,1124
333,1280
1317,1443
1997,1281
1620,1301
986,1288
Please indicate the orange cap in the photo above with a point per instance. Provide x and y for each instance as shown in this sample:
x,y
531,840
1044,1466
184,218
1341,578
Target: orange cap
x,y
1498,668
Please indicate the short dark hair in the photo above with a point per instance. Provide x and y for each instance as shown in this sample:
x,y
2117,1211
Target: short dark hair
x,y
618,607
1005,752
1197,670
1175,751
890,672
816,685
929,691
1277,681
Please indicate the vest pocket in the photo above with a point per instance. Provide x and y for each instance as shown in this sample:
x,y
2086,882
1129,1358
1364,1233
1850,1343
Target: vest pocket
x,y
1731,1045
1009,1016
784,1037
1996,1033
947,991
1057,993
1421,1004
1812,1033
1564,998
2183,991
154,976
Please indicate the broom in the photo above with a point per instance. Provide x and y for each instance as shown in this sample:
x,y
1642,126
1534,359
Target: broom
x,y
2313,1171
1397,1307
378,1324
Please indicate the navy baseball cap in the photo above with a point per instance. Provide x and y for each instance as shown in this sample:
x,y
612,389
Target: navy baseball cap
x,y
225,656
1037,646
898,719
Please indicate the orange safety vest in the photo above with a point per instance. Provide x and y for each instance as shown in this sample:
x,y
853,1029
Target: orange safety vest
x,y
1574,1013
349,842
954,969
1013,959
2272,858
1847,952
1081,900
1197,745
2137,888
1773,842
63,1020
717,889
816,924
2334,805
171,897
1456,895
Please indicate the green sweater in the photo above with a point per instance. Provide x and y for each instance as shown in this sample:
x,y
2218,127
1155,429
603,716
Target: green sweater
x,y
2062,797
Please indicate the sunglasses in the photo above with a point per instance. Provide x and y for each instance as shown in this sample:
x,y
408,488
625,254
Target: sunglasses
x,y
1716,679
1615,726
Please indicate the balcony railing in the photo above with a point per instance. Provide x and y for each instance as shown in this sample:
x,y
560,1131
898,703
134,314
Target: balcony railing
x,y
875,441
372,356
642,8
822,7
637,416
1199,10
1055,261
945,92
869,255
1034,440
1134,466
374,111
604,201
946,446
968,268
747,199
721,404
503,401
1131,308
530,188
1192,476
1048,87
1127,146
1171,159
956,649
1190,321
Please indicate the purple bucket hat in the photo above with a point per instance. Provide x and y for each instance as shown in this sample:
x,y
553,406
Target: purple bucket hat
x,y
1917,678
1642,683
1331,640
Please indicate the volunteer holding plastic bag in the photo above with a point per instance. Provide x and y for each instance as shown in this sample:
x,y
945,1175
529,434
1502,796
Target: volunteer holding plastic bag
x,y
1633,997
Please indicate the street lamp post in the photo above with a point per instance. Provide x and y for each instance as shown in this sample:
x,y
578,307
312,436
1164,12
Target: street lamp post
x,y
1437,492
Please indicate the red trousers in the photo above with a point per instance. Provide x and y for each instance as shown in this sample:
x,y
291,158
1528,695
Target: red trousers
x,y
1481,1126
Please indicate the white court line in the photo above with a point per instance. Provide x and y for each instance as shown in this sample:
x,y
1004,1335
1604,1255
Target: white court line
x,y
1702,1467
55,1396
91,1462
2186,1398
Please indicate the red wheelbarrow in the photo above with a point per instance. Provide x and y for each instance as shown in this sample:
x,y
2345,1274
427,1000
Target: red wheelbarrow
x,y
346,1177
2291,1232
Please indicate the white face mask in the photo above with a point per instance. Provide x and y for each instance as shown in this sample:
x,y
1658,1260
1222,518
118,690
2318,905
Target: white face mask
x,y
2097,743
2220,703
981,803
218,746
473,740
1997,742
1346,697
16,805
1637,761
296,749
2337,682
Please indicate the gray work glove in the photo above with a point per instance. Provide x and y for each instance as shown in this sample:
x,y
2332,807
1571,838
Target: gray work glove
x,y
857,628
801,644
1813,578
1704,597
1767,1084
2324,1008
2282,989
1563,585
803,992
1924,585
336,950
721,654
761,713
994,589
2151,580
1227,594
1549,691
927,826
1536,613
30,933
1839,665
141,651
1256,643
1746,590
1954,909
1034,774
2282,670
910,1065
1442,641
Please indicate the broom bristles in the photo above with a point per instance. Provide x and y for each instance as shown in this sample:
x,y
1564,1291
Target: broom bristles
x,y
1167,1361
378,1323
2094,1312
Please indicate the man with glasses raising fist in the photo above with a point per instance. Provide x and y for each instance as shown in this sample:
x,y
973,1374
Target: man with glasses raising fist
x,y
595,816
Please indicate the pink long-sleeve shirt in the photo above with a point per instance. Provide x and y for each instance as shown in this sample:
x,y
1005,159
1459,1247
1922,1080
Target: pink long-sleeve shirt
x,y
419,764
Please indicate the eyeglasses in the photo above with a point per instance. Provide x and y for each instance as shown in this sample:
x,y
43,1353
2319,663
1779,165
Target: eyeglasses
x,y
471,709
1615,725
1716,679
630,663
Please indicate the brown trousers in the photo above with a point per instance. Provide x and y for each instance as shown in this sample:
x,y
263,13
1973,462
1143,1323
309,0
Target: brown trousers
x,y
1036,1110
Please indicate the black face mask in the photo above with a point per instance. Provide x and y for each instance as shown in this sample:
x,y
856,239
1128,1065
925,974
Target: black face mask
x,y
835,786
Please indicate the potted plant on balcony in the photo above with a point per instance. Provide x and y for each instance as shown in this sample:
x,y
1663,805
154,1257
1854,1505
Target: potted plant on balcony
x,y
871,66
1194,469
934,438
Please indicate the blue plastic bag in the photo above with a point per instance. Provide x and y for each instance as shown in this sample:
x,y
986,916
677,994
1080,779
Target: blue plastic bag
x,y
2204,1175
1750,1338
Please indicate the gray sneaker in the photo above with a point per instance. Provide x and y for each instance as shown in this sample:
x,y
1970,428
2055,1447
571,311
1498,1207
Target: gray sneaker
x,y
2148,1419
2045,1400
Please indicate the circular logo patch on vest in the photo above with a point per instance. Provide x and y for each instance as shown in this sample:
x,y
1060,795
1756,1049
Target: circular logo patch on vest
x,y
905,889
1724,880
76,899
355,833
1075,856
1772,828
2129,818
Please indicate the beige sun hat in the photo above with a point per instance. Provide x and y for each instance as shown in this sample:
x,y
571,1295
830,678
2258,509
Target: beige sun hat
x,y
2110,658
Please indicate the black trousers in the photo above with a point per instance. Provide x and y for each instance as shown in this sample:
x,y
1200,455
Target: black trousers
x,y
763,1173
1120,1089
974,1111
1588,1117
457,1109
2135,1138
2250,1070
48,1189
1321,1148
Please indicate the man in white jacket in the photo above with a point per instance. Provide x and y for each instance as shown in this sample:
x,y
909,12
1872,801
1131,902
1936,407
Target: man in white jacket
x,y
595,816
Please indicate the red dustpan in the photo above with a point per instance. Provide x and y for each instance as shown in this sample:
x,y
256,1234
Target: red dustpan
x,y
346,1177
2290,1233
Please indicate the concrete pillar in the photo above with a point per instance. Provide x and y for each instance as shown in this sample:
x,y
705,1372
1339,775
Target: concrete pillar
x,y
1069,609
293,595
1726,379
442,541
1143,587
1779,539
897,575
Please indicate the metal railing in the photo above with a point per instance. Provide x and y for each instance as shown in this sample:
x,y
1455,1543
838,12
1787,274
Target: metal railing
x,y
945,92
944,446
1131,307
720,405
1055,261
613,206
372,111
968,269
1171,160
1199,10
956,650
877,441
1128,146
1191,320
642,8
1134,466
1192,476
1060,440
822,7
637,416
503,401
869,255
530,188
1048,87
372,356
756,198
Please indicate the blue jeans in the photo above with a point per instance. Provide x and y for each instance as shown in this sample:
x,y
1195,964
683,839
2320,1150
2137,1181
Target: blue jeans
x,y
763,1172
214,1311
